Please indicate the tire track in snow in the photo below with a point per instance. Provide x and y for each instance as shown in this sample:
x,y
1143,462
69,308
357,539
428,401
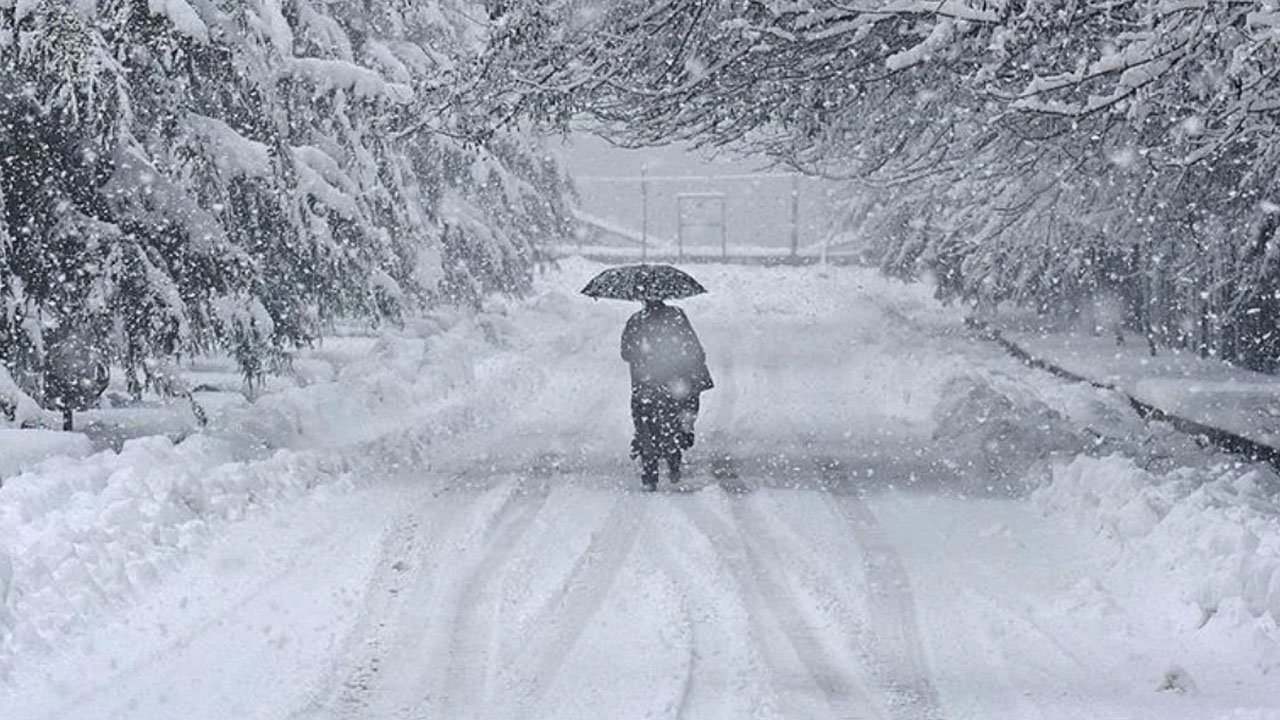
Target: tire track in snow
x,y
366,640
560,622
412,577
469,664
769,599
184,641
677,574
762,547
895,630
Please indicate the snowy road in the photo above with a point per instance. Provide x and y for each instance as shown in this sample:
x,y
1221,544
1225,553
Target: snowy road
x,y
818,561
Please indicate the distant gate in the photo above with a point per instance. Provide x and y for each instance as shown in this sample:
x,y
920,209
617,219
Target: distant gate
x,y
756,218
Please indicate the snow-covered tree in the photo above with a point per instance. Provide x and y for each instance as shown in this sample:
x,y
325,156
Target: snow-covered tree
x,y
183,175
1030,151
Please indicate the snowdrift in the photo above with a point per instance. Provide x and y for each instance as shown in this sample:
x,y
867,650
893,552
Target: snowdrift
x,y
80,532
1209,539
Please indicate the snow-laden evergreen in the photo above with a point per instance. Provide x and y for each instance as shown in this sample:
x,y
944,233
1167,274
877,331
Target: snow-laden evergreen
x,y
184,175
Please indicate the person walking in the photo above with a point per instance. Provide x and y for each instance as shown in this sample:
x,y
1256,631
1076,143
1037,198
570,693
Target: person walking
x,y
668,365
668,375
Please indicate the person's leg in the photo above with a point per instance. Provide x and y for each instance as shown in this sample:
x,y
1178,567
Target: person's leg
x,y
667,422
641,409
645,443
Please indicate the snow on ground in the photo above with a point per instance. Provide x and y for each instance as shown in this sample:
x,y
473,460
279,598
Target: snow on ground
x,y
884,517
81,534
22,449
1210,541
1179,382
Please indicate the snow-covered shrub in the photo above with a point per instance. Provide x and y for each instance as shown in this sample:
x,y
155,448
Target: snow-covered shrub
x,y
17,407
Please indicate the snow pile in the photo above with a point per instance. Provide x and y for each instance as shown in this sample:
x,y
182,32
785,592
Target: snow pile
x,y
1211,539
1000,426
23,449
79,533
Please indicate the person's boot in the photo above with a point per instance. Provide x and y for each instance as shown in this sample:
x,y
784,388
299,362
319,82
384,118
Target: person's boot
x,y
673,467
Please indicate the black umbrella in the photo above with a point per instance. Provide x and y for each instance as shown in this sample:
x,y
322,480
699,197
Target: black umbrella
x,y
643,282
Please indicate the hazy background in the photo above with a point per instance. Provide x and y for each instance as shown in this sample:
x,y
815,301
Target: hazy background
x,y
757,209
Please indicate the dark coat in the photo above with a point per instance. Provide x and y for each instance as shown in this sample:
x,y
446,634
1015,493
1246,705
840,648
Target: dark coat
x,y
664,352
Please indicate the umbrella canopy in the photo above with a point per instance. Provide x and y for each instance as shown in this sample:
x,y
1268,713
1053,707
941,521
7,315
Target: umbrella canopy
x,y
643,282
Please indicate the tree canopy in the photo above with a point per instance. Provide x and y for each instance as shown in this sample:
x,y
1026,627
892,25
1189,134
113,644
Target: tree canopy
x,y
1042,152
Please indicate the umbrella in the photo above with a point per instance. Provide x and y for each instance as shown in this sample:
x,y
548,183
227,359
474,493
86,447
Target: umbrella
x,y
643,282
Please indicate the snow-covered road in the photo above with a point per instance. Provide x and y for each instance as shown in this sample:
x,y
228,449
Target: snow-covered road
x,y
832,553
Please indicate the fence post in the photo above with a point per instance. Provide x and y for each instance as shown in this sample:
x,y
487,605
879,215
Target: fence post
x,y
679,231
795,215
644,211
724,235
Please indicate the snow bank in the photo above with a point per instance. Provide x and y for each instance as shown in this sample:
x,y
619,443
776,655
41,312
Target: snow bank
x,y
1000,426
81,533
23,449
1210,536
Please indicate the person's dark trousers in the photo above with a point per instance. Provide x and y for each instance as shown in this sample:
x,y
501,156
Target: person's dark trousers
x,y
656,415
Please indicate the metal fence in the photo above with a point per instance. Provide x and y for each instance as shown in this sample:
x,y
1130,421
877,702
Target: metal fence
x,y
758,217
